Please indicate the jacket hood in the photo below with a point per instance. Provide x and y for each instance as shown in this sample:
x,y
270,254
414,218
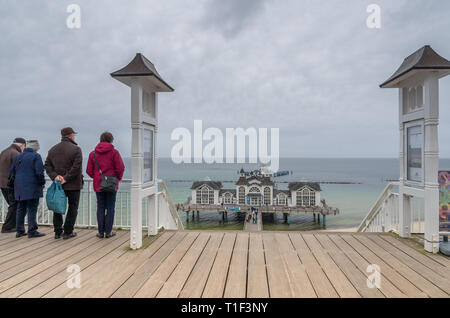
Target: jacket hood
x,y
104,147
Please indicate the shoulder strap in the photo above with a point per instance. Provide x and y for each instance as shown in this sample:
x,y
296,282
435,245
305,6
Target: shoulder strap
x,y
96,162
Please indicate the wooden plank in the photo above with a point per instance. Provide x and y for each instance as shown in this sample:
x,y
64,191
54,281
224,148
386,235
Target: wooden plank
x,y
301,286
351,271
49,262
215,285
438,279
88,272
140,276
387,288
431,261
197,280
15,266
236,286
72,256
388,271
24,253
156,281
424,285
174,284
42,287
320,281
341,284
103,284
16,244
257,286
279,286
6,238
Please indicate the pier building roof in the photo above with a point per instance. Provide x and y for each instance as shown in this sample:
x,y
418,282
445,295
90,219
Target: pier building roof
x,y
294,186
141,66
261,179
216,185
423,59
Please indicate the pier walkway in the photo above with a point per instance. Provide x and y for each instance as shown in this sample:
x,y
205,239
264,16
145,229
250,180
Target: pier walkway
x,y
253,227
220,264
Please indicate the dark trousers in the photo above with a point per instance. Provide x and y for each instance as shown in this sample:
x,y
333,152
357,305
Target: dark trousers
x,y
106,204
73,198
27,207
10,220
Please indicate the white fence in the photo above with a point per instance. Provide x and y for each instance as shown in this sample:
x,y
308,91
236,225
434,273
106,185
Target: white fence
x,y
87,211
384,215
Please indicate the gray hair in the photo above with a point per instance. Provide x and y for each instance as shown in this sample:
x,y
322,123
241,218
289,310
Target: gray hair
x,y
33,144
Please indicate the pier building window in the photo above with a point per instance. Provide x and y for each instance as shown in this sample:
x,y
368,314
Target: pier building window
x,y
228,198
255,190
267,195
241,195
312,198
205,195
282,199
306,197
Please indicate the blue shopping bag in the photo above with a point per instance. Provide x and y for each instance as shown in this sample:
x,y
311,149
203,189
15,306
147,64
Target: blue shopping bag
x,y
56,198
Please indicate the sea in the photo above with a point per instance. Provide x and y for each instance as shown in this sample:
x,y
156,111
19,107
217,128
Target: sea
x,y
352,185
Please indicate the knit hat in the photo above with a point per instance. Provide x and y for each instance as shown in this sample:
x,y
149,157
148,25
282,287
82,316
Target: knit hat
x,y
33,144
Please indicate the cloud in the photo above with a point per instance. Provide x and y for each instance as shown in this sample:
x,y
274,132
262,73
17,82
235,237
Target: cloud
x,y
311,68
232,16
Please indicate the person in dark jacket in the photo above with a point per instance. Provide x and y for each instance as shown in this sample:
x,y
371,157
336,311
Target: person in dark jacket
x,y
6,159
110,163
29,183
64,163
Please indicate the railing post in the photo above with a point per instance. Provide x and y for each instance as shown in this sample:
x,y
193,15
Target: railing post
x,y
152,214
404,207
3,211
388,214
89,205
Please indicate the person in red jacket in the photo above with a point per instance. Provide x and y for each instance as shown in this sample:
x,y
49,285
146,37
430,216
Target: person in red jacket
x,y
110,163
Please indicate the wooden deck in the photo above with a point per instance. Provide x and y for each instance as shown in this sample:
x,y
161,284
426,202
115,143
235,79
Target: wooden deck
x,y
220,264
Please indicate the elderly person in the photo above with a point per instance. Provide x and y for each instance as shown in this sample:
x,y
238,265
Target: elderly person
x,y
64,163
105,160
6,159
29,183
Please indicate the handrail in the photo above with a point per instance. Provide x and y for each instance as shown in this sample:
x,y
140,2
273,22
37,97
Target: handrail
x,y
172,208
89,180
376,207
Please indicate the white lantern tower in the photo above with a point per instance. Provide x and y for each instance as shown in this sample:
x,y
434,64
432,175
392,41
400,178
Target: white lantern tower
x,y
145,83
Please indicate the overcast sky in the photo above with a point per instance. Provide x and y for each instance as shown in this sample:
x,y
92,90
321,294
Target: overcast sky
x,y
311,68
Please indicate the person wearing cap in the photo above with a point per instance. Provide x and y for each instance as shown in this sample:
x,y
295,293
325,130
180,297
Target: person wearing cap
x,y
29,183
6,159
64,163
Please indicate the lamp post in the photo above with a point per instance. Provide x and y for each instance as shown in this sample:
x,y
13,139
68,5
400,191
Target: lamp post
x,y
418,82
145,83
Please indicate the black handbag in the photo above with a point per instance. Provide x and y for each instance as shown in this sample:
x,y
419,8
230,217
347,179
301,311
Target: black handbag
x,y
109,183
12,177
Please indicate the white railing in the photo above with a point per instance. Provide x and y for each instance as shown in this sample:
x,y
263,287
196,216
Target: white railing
x,y
88,206
168,212
384,215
